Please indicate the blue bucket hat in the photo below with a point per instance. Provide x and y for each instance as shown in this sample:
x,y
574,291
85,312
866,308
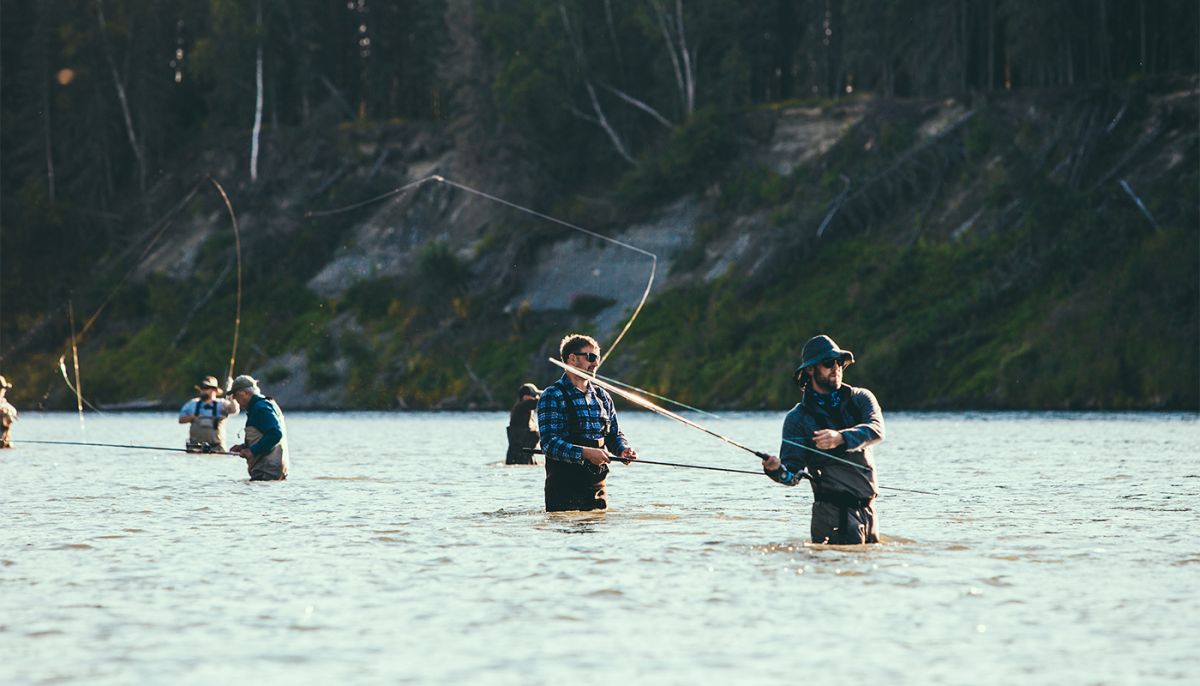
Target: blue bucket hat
x,y
819,349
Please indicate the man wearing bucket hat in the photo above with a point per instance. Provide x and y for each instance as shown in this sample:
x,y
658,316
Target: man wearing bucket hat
x,y
522,426
8,413
265,449
827,438
207,414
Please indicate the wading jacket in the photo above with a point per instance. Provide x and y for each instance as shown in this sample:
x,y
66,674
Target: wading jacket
x,y
856,414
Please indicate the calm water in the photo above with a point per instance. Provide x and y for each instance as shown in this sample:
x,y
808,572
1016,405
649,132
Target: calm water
x,y
1061,549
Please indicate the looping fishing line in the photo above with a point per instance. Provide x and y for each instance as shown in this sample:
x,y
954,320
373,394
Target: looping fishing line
x,y
237,317
520,208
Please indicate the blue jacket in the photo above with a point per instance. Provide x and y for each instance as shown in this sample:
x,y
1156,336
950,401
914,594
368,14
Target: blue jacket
x,y
262,416
856,414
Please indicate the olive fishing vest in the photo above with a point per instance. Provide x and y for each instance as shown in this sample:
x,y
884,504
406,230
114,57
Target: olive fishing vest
x,y
208,426
273,465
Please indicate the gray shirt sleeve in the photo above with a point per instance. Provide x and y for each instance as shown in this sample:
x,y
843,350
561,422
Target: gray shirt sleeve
x,y
870,430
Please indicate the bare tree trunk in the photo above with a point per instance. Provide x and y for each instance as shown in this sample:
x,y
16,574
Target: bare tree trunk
x,y
133,141
608,129
598,118
689,70
1142,34
258,98
990,82
663,24
640,105
47,123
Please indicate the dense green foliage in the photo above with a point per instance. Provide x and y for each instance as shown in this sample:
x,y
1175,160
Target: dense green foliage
x,y
115,111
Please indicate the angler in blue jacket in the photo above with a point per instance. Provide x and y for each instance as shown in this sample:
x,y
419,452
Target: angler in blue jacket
x,y
265,449
827,438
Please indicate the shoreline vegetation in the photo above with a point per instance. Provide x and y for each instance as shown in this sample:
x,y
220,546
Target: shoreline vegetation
x,y
1023,238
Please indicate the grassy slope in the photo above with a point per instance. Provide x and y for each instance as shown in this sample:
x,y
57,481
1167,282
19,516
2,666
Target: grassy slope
x,y
1077,302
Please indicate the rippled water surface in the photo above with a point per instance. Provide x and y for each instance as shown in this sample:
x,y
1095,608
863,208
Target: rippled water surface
x,y
1060,549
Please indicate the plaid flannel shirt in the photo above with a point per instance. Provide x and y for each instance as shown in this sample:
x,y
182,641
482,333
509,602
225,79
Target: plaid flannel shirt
x,y
561,400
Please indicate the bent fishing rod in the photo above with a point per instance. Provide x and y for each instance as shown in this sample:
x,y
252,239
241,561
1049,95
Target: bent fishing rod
x,y
642,402
638,460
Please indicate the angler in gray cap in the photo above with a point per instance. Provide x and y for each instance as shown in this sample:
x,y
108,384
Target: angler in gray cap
x,y
827,438
265,449
206,415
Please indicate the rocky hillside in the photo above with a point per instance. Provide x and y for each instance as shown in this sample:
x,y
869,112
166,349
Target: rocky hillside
x,y
1018,251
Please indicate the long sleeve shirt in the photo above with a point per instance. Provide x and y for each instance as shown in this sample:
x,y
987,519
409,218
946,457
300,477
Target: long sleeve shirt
x,y
262,416
853,412
566,415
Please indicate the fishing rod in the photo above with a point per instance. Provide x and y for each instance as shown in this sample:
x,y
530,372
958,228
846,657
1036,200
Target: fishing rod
x,y
638,460
656,396
520,208
237,317
75,357
637,400
115,445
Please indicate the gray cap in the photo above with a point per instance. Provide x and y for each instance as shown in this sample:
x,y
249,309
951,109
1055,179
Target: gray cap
x,y
528,389
243,382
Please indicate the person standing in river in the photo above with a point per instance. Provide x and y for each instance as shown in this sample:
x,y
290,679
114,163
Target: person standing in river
x,y
579,431
522,426
843,422
8,414
265,449
206,415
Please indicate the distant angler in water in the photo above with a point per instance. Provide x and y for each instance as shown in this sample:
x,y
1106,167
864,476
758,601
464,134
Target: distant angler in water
x,y
265,449
8,414
522,426
206,415
842,422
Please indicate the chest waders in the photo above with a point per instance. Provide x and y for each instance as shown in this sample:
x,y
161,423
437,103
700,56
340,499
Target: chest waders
x,y
274,465
520,441
839,518
206,433
571,486
522,437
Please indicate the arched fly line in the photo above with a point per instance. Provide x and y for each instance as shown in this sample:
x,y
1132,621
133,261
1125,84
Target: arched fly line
x,y
520,208
161,225
237,317
160,228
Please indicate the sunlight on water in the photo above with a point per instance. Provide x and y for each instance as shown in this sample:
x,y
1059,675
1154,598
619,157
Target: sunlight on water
x,y
402,550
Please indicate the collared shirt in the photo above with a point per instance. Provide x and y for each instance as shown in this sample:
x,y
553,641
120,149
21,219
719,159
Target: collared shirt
x,y
224,407
564,413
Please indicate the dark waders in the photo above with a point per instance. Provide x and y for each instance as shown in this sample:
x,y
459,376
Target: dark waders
x,y
842,519
576,486
520,442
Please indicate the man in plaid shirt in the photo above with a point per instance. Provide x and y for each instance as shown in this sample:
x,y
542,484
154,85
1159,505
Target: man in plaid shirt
x,y
579,430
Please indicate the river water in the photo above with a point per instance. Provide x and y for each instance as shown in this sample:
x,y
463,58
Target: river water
x,y
1059,549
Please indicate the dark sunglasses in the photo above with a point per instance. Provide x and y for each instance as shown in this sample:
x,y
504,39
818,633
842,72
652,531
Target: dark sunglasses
x,y
835,362
590,357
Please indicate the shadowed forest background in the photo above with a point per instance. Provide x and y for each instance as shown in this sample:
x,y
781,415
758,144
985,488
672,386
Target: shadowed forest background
x,y
993,203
